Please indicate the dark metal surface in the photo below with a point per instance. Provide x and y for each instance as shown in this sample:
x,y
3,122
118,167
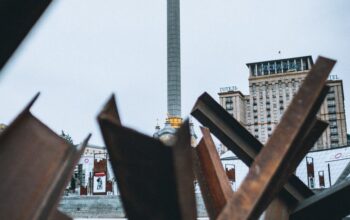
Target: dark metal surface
x,y
37,164
57,215
267,174
183,165
155,181
345,173
277,210
333,203
214,184
240,141
16,19
110,112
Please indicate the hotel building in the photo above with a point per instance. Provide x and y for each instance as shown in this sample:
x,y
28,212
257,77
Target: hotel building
x,y
272,85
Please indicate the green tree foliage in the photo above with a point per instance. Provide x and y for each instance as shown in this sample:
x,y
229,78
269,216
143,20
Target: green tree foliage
x,y
67,137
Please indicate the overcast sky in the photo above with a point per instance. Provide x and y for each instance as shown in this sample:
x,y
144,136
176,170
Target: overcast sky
x,y
82,51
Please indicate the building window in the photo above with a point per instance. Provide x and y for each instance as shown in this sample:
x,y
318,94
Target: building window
x,y
259,71
277,68
228,99
229,106
305,64
331,110
331,103
265,68
285,66
281,111
334,137
334,131
291,65
330,96
332,124
298,65
332,117
268,119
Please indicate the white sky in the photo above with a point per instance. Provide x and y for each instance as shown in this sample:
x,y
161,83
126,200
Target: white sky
x,y
81,51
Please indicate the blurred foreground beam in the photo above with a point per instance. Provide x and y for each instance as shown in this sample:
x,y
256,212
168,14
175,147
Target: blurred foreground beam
x,y
155,180
213,181
333,203
17,17
57,215
240,141
271,168
38,165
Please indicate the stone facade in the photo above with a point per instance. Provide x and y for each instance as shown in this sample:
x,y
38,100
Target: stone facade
x,y
272,85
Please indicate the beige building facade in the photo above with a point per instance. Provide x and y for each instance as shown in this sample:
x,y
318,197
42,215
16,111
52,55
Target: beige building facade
x,y
272,85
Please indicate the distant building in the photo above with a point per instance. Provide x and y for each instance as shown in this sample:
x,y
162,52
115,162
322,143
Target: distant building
x,y
92,150
272,85
319,169
86,167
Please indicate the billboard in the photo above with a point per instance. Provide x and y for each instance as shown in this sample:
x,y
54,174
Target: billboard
x,y
99,183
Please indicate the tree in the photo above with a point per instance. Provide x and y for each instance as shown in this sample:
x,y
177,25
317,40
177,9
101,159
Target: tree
x,y
67,137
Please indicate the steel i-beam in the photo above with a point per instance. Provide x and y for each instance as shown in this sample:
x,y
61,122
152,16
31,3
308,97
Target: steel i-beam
x,y
213,181
17,17
155,180
38,164
267,174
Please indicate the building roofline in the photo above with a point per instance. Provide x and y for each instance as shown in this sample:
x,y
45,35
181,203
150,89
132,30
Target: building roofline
x,y
313,151
335,81
309,56
231,92
278,75
95,146
328,149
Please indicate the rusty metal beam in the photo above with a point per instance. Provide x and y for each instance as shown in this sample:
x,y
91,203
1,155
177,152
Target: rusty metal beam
x,y
267,174
333,203
211,176
183,166
17,17
110,111
38,165
308,141
226,128
240,141
279,209
155,180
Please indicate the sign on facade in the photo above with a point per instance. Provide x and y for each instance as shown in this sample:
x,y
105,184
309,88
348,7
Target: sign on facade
x,y
229,89
99,184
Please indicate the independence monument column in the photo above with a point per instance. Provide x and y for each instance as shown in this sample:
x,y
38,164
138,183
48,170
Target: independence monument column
x,y
174,63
